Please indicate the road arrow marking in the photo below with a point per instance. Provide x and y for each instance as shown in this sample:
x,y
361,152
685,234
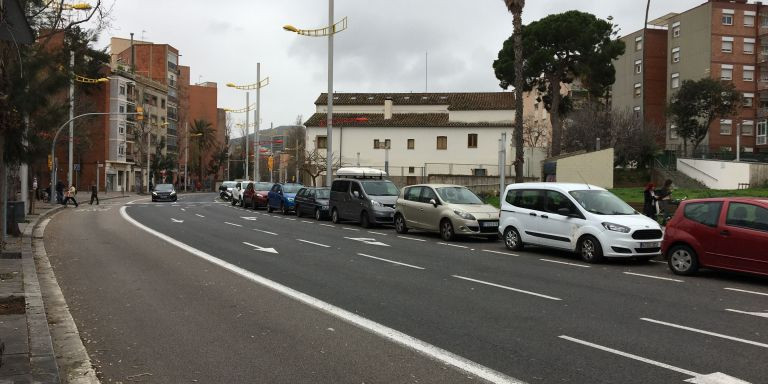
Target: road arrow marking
x,y
257,248
177,221
250,218
758,314
716,378
367,240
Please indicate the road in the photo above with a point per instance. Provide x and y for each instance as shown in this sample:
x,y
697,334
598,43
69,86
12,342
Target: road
x,y
223,294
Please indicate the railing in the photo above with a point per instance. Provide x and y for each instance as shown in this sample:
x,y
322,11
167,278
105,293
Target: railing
x,y
699,171
762,112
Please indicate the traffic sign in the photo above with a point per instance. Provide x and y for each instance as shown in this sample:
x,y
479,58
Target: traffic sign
x,y
76,167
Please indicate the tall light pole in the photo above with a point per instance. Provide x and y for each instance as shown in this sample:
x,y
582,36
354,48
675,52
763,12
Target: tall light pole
x,y
71,116
256,122
247,133
256,116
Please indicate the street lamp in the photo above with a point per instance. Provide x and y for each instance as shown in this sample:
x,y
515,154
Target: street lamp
x,y
329,31
247,109
186,157
256,117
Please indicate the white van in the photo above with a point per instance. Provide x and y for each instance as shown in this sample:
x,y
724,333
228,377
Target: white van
x,y
581,218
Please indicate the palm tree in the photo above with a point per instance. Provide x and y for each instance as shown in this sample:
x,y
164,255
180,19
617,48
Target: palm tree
x,y
516,8
204,135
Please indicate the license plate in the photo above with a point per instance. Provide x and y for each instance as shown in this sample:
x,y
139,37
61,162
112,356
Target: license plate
x,y
650,245
489,223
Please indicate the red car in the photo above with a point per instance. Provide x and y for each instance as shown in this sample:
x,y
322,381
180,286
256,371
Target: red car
x,y
723,233
255,195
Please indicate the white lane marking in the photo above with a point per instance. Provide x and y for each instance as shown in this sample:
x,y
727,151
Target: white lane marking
x,y
390,261
563,262
501,253
507,288
249,218
720,335
367,240
267,232
411,238
654,277
307,221
183,209
199,215
453,245
233,224
328,225
387,333
758,314
177,221
745,291
313,243
289,218
262,249
350,229
377,233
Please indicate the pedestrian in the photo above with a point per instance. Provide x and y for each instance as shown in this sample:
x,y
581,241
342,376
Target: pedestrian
x,y
71,192
663,196
60,192
649,201
94,193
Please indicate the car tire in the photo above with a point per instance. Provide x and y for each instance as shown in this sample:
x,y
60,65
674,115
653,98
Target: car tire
x,y
365,221
269,208
590,249
512,239
335,216
682,260
446,230
318,214
400,226
297,208
283,209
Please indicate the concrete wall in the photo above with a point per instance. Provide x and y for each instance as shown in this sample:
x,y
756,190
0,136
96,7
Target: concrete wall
x,y
716,174
758,175
595,168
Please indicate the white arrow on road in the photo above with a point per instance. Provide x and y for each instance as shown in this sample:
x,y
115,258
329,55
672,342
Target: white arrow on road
x,y
758,314
257,248
367,240
177,221
716,378
248,218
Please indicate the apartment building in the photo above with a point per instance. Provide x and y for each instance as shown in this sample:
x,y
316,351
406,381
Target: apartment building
x,y
722,39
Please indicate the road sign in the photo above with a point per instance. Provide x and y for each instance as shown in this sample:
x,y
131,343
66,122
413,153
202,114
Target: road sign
x,y
76,167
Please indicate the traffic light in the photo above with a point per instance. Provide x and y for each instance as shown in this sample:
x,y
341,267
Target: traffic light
x,y
270,162
140,113
50,162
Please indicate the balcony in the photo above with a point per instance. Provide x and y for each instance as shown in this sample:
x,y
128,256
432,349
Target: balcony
x,y
762,85
762,113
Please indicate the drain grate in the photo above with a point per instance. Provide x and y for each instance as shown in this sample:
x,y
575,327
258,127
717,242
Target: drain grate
x,y
12,305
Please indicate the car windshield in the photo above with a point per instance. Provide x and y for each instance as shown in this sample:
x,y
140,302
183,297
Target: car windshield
x,y
380,188
323,194
229,184
291,188
602,202
262,186
458,195
164,187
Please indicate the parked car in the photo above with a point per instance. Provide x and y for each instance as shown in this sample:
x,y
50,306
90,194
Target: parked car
x,y
237,192
577,217
313,201
451,210
255,194
281,197
225,190
363,195
723,233
164,192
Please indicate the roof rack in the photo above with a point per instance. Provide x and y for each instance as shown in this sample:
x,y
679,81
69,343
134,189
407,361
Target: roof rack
x,y
360,173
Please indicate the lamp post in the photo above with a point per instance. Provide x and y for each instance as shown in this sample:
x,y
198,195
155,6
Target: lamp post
x,y
329,31
256,119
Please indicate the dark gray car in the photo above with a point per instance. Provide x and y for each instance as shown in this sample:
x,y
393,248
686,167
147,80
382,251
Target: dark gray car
x,y
367,201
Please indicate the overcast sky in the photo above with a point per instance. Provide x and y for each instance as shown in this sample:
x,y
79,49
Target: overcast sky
x,y
383,50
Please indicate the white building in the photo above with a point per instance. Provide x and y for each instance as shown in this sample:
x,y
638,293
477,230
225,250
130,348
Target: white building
x,y
426,133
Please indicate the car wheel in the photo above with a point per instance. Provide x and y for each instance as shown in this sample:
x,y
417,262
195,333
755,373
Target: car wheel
x,y
683,260
297,208
318,215
590,249
269,208
400,226
365,221
335,216
283,209
512,239
446,230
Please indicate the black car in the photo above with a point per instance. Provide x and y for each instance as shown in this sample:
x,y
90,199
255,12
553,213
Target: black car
x,y
164,192
313,201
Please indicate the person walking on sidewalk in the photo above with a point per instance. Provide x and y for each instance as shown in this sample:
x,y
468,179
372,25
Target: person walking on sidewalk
x,y
94,194
71,196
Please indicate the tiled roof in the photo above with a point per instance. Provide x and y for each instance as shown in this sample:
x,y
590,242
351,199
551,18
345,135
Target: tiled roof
x,y
427,120
466,101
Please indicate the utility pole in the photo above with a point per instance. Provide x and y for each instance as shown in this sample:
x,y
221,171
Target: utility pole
x,y
71,115
257,148
247,133
186,155
502,162
298,179
329,114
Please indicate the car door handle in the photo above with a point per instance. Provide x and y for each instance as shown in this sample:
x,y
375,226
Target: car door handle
x,y
544,217
533,214
725,232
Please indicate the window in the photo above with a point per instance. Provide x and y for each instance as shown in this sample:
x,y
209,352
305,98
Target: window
x,y
747,128
472,140
676,29
748,74
638,43
121,150
748,100
376,144
747,216
442,142
412,193
727,44
154,101
749,45
356,189
554,201
411,143
122,89
673,131
726,72
725,127
121,109
121,127
762,133
638,66
703,213
387,144
749,18
638,89
727,17
525,198
428,194
675,82
636,111
763,22
322,142
411,169
340,185
676,55
162,103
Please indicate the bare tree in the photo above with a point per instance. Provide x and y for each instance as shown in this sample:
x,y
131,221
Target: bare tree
x,y
536,133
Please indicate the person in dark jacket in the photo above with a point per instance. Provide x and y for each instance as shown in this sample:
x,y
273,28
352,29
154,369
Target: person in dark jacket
x,y
94,194
60,192
663,196
649,201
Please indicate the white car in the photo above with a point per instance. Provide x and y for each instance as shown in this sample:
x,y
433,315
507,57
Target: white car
x,y
237,192
581,218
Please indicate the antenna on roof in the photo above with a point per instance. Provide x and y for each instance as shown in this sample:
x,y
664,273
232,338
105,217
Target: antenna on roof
x,y
583,179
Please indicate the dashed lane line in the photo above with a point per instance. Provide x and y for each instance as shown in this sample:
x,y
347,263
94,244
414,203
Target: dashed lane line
x,y
453,245
758,314
313,243
745,291
263,231
390,261
654,277
501,253
508,288
328,225
350,229
377,233
566,263
232,224
199,215
411,238
720,335
307,221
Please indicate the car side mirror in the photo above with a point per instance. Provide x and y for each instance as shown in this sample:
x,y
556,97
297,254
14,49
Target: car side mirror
x,y
564,212
356,194
434,202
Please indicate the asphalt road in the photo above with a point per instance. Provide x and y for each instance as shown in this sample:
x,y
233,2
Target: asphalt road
x,y
144,305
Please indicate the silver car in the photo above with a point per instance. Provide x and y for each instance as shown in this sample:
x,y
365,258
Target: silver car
x,y
451,210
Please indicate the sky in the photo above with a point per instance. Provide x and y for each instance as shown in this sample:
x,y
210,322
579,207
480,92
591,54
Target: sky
x,y
389,46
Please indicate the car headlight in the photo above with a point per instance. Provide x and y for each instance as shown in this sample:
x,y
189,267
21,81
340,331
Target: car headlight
x,y
615,227
259,195
376,203
464,215
173,192
154,193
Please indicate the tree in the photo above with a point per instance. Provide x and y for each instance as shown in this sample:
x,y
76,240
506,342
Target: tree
x,y
697,104
535,133
556,50
315,164
204,136
516,8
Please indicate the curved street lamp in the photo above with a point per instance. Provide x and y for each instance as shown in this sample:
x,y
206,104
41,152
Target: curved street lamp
x,y
260,83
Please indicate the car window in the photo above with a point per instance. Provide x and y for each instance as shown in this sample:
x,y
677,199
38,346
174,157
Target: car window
x,y
458,195
340,186
554,201
525,198
262,186
237,185
356,188
302,192
380,188
706,213
413,193
249,187
291,188
602,202
427,194
275,188
747,216
164,187
321,193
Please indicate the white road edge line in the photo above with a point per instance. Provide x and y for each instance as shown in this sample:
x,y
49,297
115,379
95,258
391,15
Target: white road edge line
x,y
631,356
758,314
395,336
654,277
501,253
720,335
452,245
507,288
411,238
566,263
233,224
267,232
199,215
377,233
313,243
390,261
745,291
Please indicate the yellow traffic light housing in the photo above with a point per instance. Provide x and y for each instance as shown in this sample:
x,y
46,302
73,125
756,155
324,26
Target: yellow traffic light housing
x,y
140,113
